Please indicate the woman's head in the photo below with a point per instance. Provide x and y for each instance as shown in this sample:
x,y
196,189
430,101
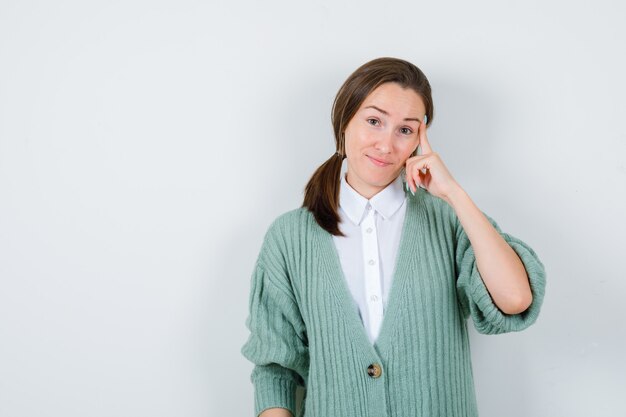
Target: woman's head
x,y
369,76
381,136
375,117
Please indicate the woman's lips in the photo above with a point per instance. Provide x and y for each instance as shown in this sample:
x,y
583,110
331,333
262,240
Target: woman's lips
x,y
378,162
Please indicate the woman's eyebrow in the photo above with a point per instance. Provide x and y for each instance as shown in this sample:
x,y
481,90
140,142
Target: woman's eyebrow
x,y
387,114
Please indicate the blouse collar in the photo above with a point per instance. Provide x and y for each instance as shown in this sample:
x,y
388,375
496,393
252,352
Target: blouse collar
x,y
386,202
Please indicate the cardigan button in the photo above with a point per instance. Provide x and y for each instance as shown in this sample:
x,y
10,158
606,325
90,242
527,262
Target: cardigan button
x,y
374,370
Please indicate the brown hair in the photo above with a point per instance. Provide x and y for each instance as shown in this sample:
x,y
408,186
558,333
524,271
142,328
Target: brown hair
x,y
321,194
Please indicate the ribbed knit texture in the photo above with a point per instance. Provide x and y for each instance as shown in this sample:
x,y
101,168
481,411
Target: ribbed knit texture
x,y
305,328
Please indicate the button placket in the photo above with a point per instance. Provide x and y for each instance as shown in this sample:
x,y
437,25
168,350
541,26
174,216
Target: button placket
x,y
373,290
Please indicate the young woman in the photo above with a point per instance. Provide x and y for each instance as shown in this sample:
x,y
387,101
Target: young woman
x,y
362,295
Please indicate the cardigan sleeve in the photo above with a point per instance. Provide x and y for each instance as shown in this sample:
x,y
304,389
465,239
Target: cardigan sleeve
x,y
277,343
474,298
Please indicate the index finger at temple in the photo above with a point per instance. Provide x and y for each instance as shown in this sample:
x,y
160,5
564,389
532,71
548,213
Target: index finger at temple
x,y
425,145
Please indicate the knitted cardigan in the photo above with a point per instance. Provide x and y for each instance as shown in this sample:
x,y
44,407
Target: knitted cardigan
x,y
305,327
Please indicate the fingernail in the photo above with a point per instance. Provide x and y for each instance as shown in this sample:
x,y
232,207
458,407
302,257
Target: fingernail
x,y
412,192
425,119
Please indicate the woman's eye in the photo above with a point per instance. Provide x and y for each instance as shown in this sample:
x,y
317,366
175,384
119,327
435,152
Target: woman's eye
x,y
406,131
373,122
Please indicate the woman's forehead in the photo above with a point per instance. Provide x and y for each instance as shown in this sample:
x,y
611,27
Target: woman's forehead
x,y
395,100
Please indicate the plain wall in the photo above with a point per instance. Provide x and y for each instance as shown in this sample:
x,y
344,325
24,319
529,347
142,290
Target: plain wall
x,y
145,147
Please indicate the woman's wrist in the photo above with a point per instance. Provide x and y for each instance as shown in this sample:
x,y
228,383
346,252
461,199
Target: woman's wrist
x,y
456,195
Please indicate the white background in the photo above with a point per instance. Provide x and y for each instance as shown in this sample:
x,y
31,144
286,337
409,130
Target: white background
x,y
145,147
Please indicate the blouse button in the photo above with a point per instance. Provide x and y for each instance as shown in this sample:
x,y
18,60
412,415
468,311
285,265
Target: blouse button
x,y
374,370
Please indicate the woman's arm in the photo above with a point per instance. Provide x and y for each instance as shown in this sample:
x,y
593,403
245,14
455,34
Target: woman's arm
x,y
276,412
500,268
277,344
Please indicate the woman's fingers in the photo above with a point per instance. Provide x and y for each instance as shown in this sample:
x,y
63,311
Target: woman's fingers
x,y
425,145
418,166
414,175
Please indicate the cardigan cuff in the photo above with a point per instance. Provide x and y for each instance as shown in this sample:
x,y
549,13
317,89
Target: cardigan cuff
x,y
487,317
272,391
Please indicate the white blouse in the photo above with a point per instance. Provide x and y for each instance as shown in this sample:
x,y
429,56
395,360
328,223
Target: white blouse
x,y
368,251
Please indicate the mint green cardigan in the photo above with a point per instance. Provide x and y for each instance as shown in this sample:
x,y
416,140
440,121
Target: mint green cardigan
x,y
305,328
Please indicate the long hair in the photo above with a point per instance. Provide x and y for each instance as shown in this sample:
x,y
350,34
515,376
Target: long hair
x,y
321,194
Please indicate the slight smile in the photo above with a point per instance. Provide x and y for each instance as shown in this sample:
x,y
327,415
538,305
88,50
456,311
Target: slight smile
x,y
378,162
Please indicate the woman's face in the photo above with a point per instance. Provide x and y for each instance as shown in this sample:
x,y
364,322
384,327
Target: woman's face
x,y
381,136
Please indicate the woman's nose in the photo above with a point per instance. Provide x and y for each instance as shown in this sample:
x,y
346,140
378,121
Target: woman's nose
x,y
384,142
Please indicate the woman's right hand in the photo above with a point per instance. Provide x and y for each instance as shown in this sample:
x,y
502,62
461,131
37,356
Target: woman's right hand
x,y
276,412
